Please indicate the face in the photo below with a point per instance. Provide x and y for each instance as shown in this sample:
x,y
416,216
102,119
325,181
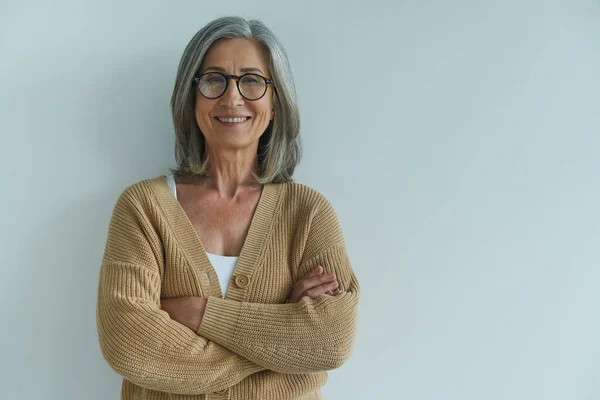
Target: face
x,y
234,57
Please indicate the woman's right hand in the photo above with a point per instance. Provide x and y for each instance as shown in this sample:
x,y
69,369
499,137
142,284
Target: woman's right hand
x,y
313,285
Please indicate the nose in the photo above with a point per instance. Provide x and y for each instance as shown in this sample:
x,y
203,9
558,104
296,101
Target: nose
x,y
232,97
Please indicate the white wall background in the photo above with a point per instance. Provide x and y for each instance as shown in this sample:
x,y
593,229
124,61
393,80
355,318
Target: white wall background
x,y
458,141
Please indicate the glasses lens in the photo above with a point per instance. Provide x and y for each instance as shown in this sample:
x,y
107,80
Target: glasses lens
x,y
252,86
212,85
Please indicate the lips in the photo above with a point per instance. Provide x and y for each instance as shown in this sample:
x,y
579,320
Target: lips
x,y
232,121
228,118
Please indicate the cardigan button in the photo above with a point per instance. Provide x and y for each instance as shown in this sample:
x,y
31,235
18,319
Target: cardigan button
x,y
242,281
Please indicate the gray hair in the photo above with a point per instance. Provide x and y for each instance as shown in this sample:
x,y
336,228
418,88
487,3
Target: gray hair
x,y
279,148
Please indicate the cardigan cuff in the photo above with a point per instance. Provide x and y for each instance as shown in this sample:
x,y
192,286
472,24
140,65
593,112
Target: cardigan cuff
x,y
220,320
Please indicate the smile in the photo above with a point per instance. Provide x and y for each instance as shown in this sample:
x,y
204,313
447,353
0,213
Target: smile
x,y
232,121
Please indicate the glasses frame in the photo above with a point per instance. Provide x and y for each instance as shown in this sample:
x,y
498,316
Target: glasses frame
x,y
237,83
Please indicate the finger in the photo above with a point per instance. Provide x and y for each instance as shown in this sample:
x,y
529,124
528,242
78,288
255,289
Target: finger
x,y
322,289
308,283
319,290
314,278
314,281
315,271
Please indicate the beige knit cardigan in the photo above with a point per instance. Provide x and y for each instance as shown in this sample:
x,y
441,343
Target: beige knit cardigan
x,y
251,344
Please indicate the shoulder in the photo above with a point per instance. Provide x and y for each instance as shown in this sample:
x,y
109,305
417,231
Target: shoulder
x,y
315,220
142,192
314,208
307,197
142,187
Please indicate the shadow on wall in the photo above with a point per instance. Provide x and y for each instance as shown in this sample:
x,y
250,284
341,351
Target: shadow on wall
x,y
125,135
127,116
65,252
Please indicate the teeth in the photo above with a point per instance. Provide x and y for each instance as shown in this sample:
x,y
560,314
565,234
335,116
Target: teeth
x,y
232,119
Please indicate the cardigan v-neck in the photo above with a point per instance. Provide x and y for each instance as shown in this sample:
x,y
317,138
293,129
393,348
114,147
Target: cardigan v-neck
x,y
224,266
190,242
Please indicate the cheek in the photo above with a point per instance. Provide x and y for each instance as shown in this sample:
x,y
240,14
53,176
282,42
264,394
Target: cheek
x,y
264,112
262,119
201,113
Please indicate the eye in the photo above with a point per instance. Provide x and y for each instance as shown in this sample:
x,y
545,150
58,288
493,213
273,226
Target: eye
x,y
214,79
252,80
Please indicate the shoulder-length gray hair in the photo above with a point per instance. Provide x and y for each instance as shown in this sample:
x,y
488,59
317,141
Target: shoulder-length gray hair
x,y
279,148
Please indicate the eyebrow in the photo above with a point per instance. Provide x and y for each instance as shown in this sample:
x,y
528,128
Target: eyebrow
x,y
251,69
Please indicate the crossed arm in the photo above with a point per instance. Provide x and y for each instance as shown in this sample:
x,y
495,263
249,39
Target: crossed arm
x,y
142,343
189,310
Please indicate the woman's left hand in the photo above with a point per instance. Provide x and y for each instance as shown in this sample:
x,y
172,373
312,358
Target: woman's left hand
x,y
187,311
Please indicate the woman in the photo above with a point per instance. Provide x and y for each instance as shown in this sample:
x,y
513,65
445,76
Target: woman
x,y
226,279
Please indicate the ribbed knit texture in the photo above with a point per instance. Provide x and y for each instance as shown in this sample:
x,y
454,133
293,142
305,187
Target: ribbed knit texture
x,y
250,344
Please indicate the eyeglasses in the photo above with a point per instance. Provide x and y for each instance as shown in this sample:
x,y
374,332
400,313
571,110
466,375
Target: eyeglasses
x,y
213,85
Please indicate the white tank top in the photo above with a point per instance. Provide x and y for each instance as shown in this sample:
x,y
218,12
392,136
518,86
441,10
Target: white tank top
x,y
223,265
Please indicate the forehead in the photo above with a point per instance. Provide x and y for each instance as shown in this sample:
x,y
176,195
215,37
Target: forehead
x,y
234,54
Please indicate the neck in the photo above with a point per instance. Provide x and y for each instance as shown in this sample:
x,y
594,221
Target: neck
x,y
230,173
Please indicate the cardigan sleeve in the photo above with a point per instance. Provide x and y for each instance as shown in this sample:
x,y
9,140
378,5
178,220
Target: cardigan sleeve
x,y
138,339
304,337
